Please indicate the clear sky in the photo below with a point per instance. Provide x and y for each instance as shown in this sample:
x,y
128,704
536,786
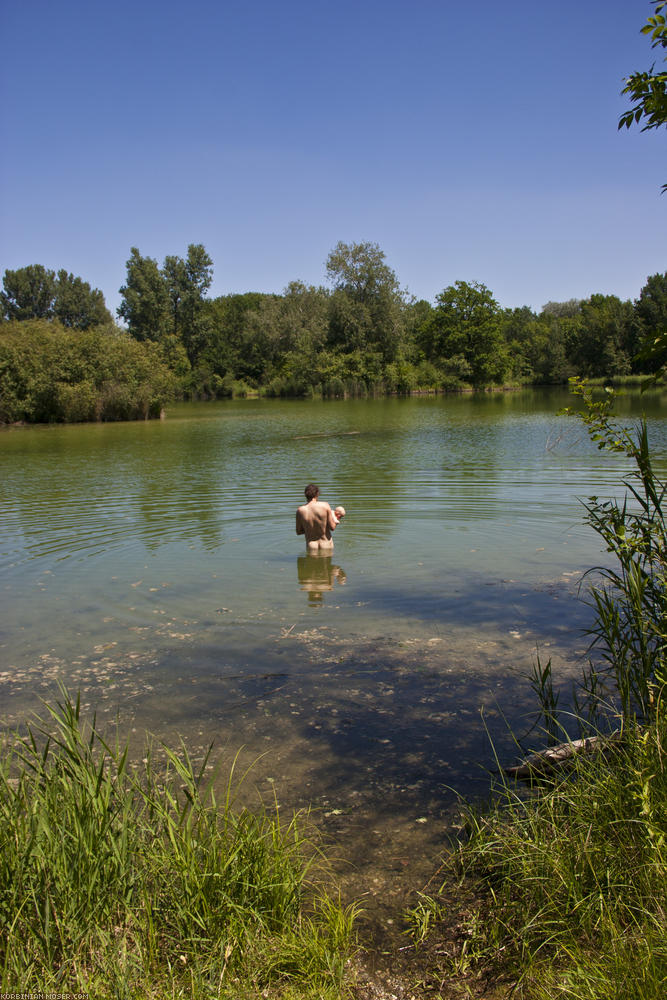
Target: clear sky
x,y
470,140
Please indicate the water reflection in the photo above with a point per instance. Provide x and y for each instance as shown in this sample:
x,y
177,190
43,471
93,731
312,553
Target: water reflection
x,y
317,574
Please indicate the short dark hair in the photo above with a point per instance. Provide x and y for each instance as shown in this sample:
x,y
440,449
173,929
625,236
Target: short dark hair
x,y
312,491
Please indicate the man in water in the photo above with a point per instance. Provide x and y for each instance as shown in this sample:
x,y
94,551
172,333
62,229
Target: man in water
x,y
316,520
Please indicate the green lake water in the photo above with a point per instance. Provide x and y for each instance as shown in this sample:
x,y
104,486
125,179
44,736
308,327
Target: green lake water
x,y
154,568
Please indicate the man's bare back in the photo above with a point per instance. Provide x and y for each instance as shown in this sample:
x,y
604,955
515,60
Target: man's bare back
x,y
316,521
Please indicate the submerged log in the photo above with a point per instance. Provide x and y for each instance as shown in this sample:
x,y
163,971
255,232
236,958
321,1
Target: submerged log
x,y
543,762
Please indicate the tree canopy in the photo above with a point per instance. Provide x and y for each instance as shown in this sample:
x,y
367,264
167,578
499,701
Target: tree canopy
x,y
360,270
34,292
167,301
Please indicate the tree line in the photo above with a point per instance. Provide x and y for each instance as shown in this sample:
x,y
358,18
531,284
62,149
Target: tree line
x,y
359,333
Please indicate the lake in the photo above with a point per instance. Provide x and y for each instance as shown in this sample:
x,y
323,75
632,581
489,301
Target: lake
x,y
154,567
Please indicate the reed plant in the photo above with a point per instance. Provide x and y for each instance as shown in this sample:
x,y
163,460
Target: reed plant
x,y
630,601
124,880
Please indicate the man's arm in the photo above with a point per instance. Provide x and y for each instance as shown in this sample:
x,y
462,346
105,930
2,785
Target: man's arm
x,y
332,520
299,523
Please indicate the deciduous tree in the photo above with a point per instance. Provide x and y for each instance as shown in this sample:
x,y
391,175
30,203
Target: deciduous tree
x,y
145,302
367,304
605,343
77,305
159,302
360,270
187,281
34,292
466,324
28,293
651,322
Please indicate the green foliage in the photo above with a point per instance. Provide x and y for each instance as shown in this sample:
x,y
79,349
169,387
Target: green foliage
x,y
466,324
367,304
605,344
224,350
651,321
555,354
360,270
187,281
158,302
596,337
77,305
118,880
281,336
538,347
401,377
541,682
145,303
648,90
33,292
630,602
49,373
560,309
421,918
28,293
363,336
350,324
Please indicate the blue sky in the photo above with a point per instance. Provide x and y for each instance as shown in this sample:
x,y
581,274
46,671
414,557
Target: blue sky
x,y
472,141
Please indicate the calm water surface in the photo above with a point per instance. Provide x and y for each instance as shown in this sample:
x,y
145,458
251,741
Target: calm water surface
x,y
155,568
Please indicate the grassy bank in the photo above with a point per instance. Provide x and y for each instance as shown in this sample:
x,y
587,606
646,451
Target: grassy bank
x,y
569,883
133,881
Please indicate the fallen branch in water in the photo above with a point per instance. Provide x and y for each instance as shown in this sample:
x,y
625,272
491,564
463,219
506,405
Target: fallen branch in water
x,y
543,761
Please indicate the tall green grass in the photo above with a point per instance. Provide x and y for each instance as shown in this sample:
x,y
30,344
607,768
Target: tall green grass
x,y
575,877
630,602
135,881
569,880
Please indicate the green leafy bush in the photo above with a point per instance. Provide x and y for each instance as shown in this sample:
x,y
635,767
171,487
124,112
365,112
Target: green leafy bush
x,y
52,374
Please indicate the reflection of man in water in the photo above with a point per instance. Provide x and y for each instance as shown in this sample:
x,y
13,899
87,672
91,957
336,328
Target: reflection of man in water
x,y
316,520
316,574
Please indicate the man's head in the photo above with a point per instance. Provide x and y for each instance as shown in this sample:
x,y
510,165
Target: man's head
x,y
312,492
